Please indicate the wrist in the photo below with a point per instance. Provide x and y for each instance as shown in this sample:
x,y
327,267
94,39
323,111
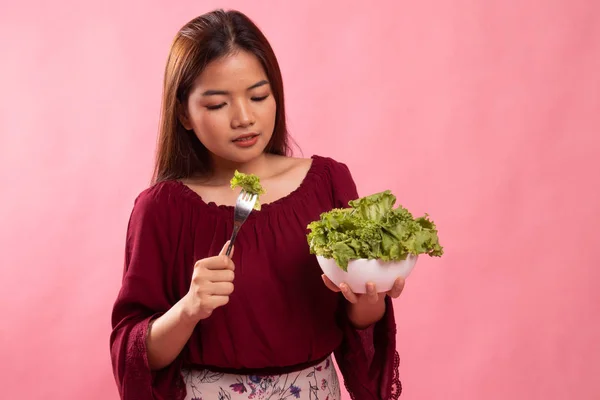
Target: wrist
x,y
186,311
363,314
364,304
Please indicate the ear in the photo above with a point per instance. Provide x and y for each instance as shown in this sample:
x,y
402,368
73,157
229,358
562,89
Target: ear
x,y
183,116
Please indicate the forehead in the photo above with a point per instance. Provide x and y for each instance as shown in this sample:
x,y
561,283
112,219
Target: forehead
x,y
239,70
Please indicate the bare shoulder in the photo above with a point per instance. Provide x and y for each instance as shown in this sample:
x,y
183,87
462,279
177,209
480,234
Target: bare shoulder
x,y
286,175
290,167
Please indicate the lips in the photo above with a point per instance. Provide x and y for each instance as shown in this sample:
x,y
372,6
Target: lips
x,y
246,137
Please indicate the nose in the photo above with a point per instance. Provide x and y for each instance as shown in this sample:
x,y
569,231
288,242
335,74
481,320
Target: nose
x,y
243,116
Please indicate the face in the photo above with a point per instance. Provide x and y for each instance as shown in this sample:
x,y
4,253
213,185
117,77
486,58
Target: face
x,y
231,108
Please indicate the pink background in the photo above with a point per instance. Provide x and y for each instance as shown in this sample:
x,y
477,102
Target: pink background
x,y
485,114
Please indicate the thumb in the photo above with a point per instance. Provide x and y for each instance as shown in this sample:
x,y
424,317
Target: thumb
x,y
224,249
330,285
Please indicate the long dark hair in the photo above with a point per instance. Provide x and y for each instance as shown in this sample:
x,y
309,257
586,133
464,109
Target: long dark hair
x,y
206,38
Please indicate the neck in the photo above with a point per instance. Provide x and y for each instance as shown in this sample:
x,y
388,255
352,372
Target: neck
x,y
224,169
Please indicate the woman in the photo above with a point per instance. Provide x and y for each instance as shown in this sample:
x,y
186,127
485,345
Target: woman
x,y
192,323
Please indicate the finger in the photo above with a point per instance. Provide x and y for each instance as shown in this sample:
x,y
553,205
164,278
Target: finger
x,y
396,290
372,295
330,285
213,302
348,294
221,288
218,262
224,249
220,275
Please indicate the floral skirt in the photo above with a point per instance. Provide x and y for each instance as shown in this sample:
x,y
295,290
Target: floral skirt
x,y
319,382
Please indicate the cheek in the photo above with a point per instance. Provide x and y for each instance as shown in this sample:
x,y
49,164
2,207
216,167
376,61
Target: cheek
x,y
210,126
269,112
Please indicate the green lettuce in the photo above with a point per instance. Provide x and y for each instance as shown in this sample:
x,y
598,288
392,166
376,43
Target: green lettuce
x,y
249,183
371,228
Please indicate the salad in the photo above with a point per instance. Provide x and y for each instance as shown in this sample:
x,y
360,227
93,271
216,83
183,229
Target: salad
x,y
249,183
371,228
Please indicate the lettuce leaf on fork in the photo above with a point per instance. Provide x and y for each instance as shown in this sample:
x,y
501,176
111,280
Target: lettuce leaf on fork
x,y
249,183
372,229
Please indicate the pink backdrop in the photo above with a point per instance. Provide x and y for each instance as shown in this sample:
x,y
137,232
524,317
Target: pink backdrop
x,y
484,114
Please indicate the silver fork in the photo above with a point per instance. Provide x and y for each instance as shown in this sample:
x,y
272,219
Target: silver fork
x,y
243,207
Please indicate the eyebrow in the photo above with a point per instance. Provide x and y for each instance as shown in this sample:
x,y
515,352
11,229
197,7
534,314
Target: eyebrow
x,y
224,92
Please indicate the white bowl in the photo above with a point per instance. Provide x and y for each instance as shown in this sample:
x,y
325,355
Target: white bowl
x,y
382,273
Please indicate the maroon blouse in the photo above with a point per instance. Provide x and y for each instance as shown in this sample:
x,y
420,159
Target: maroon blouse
x,y
280,317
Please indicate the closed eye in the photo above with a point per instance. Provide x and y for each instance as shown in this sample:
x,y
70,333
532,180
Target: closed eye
x,y
260,98
216,107
219,106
